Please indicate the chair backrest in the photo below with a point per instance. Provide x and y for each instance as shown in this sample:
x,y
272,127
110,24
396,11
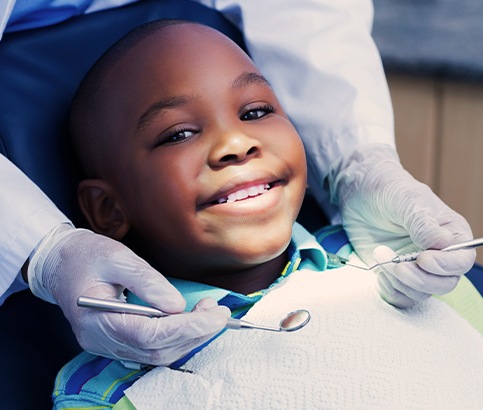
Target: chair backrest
x,y
40,71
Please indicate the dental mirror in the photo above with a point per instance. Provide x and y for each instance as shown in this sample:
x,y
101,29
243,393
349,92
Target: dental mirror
x,y
293,321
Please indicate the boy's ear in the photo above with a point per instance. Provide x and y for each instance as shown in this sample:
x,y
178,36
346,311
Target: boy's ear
x,y
101,209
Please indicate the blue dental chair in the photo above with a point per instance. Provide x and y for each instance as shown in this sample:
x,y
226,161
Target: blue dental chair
x,y
39,73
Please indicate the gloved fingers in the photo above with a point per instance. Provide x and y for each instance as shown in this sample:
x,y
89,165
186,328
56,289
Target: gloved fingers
x,y
437,227
425,231
208,304
391,295
82,258
392,288
139,277
451,263
172,330
157,357
129,337
168,355
160,357
392,282
415,276
411,275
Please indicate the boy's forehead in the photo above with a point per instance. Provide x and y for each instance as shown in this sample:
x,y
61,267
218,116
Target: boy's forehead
x,y
172,55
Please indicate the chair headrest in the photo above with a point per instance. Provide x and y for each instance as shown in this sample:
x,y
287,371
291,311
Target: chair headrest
x,y
40,71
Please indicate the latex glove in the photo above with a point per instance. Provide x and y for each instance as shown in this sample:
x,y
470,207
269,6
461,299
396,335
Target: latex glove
x,y
381,203
73,262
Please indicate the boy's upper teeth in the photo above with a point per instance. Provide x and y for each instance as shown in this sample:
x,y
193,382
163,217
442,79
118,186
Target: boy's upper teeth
x,y
252,191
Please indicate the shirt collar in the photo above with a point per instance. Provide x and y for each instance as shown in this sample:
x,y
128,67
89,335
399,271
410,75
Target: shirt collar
x,y
304,252
305,246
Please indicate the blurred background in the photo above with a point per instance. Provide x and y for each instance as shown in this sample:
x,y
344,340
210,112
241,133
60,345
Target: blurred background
x,y
432,51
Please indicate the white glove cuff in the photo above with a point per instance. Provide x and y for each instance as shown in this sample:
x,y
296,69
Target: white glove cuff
x,y
38,257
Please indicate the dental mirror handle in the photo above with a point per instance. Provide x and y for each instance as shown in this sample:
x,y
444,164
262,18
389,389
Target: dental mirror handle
x,y
123,307
119,307
237,324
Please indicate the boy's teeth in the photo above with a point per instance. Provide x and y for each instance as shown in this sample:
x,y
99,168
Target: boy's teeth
x,y
245,193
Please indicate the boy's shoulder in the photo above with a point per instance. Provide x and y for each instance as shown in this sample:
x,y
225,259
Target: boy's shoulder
x,y
90,381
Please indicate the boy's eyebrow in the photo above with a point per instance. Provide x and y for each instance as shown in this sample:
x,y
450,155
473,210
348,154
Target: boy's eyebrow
x,y
172,102
248,78
243,80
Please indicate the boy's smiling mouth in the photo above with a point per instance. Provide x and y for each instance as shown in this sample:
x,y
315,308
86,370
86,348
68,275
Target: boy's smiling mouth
x,y
240,192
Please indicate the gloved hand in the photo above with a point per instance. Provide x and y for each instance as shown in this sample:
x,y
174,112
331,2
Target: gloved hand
x,y
70,262
381,203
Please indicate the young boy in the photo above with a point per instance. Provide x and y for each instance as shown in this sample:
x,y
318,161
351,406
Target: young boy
x,y
190,159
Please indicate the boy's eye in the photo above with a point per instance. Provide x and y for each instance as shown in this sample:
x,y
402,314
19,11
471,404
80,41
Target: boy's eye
x,y
256,113
175,137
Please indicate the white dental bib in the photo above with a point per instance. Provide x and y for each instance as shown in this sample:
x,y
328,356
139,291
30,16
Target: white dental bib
x,y
357,352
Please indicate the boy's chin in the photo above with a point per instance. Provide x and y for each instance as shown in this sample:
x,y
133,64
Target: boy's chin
x,y
263,249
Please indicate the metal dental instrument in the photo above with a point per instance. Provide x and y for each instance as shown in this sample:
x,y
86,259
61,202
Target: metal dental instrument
x,y
292,322
335,260
119,307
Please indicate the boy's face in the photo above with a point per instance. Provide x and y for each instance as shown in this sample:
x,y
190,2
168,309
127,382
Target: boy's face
x,y
208,169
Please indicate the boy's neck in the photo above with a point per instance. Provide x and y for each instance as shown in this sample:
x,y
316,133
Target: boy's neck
x,y
250,280
244,281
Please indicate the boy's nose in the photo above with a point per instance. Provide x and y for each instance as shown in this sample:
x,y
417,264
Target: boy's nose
x,y
234,147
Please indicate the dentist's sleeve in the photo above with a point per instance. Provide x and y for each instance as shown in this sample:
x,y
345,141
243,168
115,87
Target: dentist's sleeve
x,y
321,60
26,216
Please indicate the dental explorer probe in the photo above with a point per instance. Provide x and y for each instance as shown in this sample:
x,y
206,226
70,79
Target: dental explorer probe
x,y
407,257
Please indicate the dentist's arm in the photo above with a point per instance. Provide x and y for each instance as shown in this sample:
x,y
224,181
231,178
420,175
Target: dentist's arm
x,y
26,215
